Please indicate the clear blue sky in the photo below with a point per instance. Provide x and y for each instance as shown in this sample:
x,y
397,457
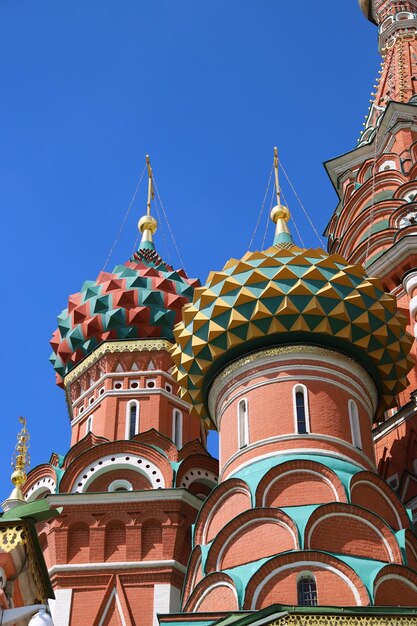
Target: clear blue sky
x,y
207,88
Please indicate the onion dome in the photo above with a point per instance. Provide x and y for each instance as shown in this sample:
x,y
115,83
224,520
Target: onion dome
x,y
287,295
142,298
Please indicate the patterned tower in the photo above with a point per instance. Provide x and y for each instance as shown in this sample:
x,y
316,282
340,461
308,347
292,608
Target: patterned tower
x,y
292,354
375,221
131,484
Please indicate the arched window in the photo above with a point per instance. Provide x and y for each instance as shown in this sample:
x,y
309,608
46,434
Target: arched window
x,y
306,590
89,425
132,419
354,424
177,428
243,426
301,415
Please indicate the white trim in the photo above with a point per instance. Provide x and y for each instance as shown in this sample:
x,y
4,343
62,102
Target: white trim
x,y
394,577
120,482
303,575
355,425
287,451
177,427
188,479
71,567
251,522
305,471
107,375
384,495
222,583
300,388
128,410
290,378
213,511
113,594
134,393
145,495
61,607
360,379
47,483
166,599
116,461
317,564
356,517
242,423
89,424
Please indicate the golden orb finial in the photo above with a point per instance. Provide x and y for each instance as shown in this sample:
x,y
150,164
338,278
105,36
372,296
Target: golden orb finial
x,y
20,462
148,224
280,212
280,215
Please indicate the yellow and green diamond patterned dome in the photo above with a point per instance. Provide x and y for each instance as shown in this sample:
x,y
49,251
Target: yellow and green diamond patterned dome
x,y
287,295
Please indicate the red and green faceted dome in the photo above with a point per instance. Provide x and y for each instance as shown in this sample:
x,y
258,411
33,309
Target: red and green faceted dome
x,y
141,299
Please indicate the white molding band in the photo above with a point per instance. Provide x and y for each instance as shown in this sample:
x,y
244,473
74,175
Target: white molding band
x,y
111,565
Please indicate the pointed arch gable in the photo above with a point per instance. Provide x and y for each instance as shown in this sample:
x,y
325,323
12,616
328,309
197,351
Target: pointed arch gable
x,y
284,485
276,581
351,530
369,491
272,530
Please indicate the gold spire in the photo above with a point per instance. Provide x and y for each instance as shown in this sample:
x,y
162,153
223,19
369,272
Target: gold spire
x,y
148,224
279,213
20,462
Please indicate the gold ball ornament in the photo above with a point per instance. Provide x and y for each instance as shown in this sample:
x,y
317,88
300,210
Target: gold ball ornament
x,y
280,213
147,222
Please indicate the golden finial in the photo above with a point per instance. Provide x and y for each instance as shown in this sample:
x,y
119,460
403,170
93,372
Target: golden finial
x,y
20,462
148,224
279,213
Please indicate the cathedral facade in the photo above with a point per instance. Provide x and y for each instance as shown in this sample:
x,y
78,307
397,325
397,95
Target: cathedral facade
x,y
303,360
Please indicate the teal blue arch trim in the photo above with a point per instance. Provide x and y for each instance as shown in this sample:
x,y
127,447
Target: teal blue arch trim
x,y
253,473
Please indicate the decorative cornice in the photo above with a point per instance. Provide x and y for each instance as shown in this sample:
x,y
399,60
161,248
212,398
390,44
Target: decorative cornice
x,y
124,497
133,345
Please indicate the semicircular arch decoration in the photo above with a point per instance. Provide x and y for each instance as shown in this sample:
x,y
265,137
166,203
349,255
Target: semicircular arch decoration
x,y
371,492
118,461
281,485
351,530
272,530
276,581
395,586
216,592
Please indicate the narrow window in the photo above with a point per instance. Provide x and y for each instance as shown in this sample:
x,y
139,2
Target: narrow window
x,y
354,424
89,425
177,428
307,591
132,419
301,409
243,423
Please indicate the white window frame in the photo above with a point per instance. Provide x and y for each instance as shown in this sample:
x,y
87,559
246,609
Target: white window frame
x,y
243,423
355,425
177,425
127,429
89,424
299,388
